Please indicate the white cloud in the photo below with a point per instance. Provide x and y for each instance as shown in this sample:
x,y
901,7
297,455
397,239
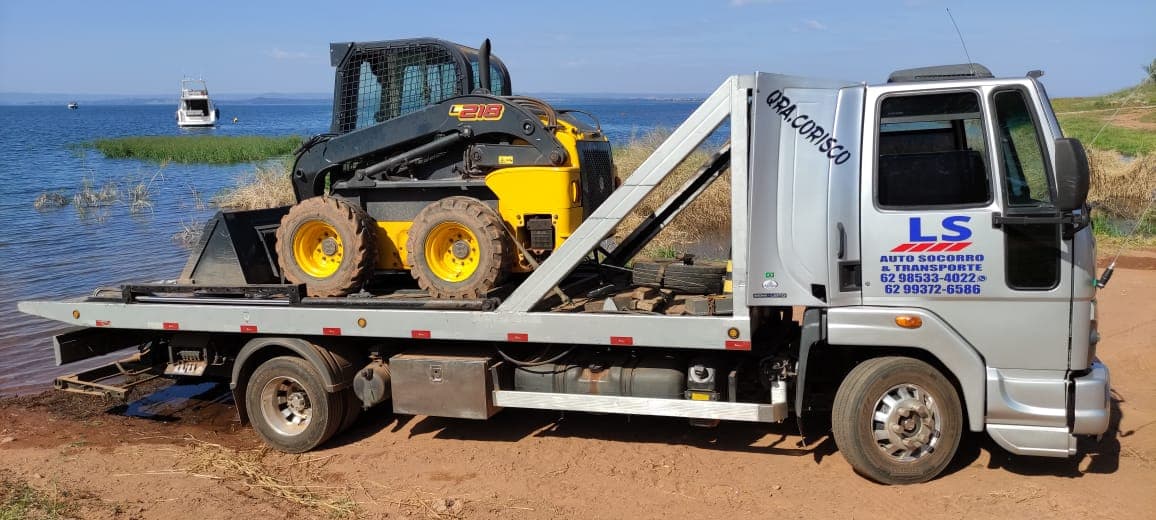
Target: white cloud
x,y
815,25
282,55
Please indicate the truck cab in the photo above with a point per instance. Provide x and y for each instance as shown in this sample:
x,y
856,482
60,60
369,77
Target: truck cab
x,y
954,202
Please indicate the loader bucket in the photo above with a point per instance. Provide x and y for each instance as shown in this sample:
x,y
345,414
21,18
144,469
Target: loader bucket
x,y
236,248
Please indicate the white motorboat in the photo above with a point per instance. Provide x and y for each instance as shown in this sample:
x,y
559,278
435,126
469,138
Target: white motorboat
x,y
72,105
195,108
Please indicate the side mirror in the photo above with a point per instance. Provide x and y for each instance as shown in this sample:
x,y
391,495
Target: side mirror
x,y
1072,174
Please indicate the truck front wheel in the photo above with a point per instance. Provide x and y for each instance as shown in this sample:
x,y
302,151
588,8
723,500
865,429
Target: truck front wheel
x,y
897,420
289,407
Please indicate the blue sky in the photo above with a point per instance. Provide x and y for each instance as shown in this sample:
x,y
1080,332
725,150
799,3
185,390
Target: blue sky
x,y
115,47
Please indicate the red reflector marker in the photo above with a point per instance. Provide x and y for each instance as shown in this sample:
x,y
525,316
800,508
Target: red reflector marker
x,y
171,325
624,341
331,331
738,345
419,334
103,323
517,336
249,329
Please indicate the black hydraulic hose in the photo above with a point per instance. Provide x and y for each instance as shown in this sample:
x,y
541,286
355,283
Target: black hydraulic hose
x,y
597,123
311,142
542,108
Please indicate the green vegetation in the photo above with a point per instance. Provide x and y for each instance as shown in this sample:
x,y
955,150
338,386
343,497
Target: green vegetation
x,y
1126,140
210,149
91,201
1141,95
20,501
1120,121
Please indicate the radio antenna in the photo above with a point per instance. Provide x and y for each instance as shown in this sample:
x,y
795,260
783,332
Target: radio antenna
x,y
970,65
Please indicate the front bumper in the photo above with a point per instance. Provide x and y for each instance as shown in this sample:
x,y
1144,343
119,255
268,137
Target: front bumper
x,y
1093,401
1040,414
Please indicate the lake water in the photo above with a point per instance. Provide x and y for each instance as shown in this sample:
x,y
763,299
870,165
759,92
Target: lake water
x,y
58,253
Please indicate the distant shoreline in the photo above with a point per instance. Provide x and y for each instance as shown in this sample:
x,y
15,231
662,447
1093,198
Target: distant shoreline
x,y
28,99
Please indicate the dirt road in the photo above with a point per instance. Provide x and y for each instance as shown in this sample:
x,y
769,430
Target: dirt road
x,y
66,455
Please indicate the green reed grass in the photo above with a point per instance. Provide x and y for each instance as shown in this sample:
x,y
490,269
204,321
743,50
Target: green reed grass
x,y
207,149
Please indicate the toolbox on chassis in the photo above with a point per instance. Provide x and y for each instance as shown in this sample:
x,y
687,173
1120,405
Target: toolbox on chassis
x,y
910,260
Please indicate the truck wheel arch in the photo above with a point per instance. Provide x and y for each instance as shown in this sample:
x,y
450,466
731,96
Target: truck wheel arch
x,y
337,364
872,331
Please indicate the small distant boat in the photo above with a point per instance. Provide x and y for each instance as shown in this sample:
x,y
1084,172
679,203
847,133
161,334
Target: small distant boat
x,y
195,108
72,105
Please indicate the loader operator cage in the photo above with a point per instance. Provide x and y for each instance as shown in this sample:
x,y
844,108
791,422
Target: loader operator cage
x,y
379,81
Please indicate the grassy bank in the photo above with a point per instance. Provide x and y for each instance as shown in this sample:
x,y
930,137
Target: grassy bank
x,y
268,186
1123,121
208,149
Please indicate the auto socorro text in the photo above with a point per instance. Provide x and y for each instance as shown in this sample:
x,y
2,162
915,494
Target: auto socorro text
x,y
807,128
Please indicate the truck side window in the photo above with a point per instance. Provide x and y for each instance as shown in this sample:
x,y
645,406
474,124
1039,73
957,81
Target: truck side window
x,y
932,152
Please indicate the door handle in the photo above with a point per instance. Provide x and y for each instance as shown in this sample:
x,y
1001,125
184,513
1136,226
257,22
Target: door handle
x,y
842,240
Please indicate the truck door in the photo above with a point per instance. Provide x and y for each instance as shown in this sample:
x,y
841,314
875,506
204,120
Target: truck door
x,y
953,180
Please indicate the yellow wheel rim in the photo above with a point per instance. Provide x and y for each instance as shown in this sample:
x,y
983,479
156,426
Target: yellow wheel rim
x,y
317,248
451,252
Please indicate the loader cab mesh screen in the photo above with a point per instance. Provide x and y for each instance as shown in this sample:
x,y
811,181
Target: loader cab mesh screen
x,y
379,84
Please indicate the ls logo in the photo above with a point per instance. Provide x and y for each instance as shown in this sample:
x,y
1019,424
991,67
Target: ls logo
x,y
953,230
951,236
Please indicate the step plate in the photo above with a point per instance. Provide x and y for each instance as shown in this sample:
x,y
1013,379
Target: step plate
x,y
750,412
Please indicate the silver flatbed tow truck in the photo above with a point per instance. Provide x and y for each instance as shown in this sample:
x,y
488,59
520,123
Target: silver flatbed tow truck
x,y
909,260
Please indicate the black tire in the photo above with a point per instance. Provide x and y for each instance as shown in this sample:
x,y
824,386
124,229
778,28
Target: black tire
x,y
289,407
354,243
352,409
489,254
922,433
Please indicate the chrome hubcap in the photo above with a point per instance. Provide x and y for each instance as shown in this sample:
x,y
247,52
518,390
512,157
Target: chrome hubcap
x,y
907,423
285,406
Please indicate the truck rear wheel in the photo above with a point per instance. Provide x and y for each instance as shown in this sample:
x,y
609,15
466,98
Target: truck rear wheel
x,y
457,248
327,244
897,420
289,407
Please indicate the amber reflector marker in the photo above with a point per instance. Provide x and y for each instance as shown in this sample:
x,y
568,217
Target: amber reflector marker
x,y
909,322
